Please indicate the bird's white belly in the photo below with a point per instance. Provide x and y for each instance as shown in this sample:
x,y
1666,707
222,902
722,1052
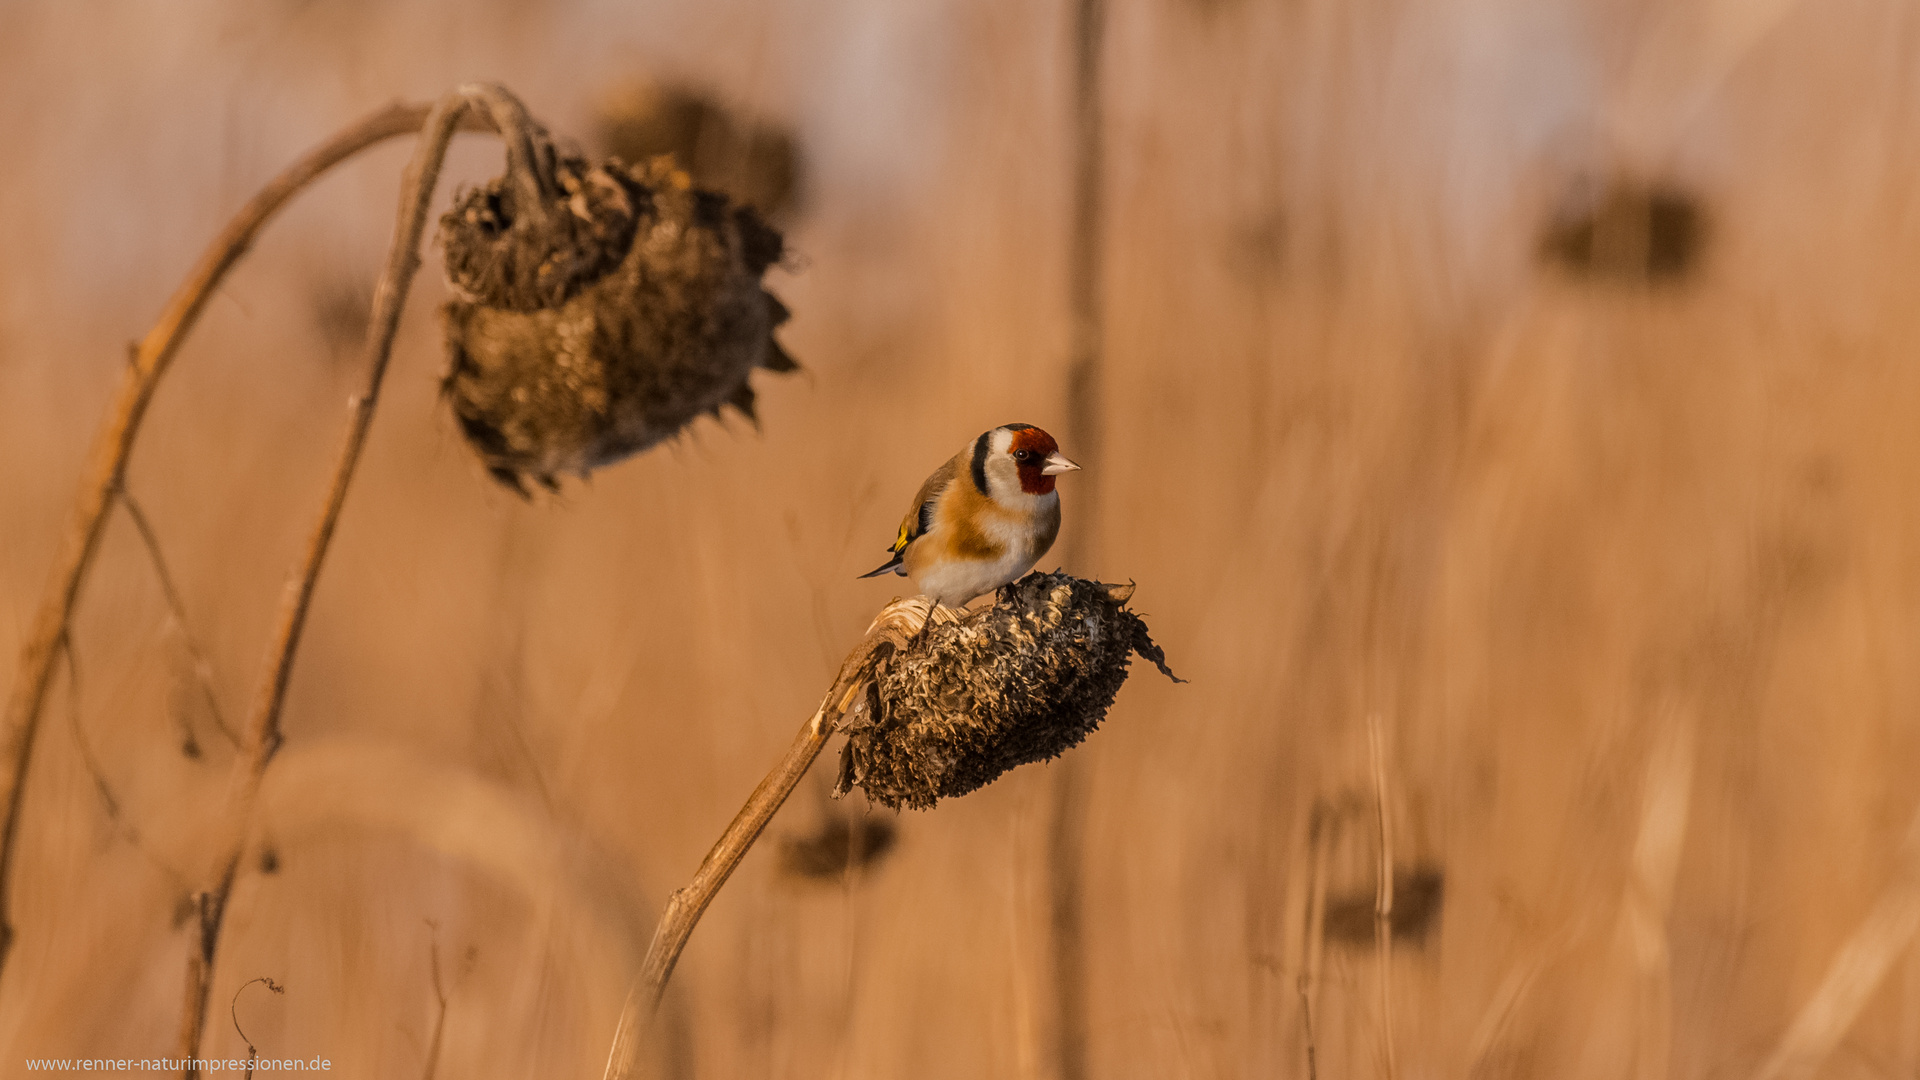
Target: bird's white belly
x,y
953,582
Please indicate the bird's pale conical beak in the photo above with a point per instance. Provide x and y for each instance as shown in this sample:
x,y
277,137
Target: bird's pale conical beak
x,y
1057,464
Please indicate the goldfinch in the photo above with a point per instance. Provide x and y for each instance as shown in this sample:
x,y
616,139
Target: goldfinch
x,y
982,519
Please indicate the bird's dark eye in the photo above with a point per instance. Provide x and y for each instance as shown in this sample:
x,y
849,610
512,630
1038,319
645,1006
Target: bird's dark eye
x,y
1023,455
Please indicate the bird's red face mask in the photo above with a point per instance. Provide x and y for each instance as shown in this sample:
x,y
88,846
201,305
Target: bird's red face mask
x,y
1036,455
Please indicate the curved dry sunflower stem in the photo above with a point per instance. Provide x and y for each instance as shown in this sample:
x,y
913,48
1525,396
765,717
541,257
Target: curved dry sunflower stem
x,y
262,732
893,628
107,462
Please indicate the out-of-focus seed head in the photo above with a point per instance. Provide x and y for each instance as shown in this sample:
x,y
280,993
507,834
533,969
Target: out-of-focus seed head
x,y
1021,681
1628,231
841,843
606,319
1352,918
754,160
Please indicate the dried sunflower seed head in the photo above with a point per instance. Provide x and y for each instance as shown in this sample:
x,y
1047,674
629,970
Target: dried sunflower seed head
x,y
505,254
1021,681
604,320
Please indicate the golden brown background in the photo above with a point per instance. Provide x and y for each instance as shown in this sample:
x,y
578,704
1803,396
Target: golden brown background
x,y
1628,571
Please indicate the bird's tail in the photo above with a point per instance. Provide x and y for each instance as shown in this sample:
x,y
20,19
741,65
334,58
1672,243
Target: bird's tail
x,y
897,564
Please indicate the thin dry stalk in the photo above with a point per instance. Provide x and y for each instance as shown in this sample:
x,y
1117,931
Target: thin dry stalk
x,y
233,1013
1649,895
1066,871
1855,973
109,801
440,1015
1383,891
1305,987
1085,256
263,726
1320,831
177,609
895,626
107,462
1026,846
1508,997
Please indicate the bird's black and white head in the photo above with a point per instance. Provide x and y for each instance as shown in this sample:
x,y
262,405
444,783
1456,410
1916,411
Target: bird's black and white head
x,y
1017,463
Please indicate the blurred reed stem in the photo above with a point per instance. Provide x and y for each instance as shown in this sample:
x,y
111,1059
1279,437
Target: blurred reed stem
x,y
105,472
893,628
1855,973
1066,827
262,732
440,1012
1383,890
1647,904
1320,835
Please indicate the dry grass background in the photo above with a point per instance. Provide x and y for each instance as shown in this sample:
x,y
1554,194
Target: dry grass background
x,y
1630,576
